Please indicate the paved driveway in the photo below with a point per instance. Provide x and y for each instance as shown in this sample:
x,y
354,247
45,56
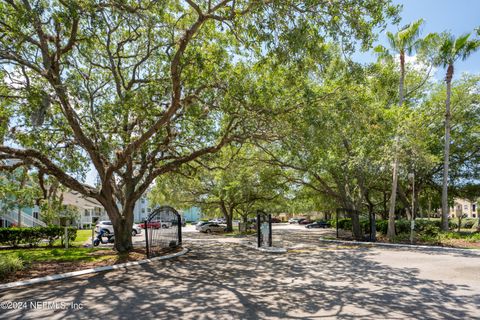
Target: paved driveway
x,y
222,280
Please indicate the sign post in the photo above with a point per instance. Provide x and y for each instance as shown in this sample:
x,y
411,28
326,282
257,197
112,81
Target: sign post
x,y
94,223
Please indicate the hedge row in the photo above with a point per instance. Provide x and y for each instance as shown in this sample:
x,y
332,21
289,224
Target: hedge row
x,y
32,236
401,226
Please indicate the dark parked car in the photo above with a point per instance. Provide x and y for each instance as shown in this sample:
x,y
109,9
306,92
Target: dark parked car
x,y
317,224
276,220
305,221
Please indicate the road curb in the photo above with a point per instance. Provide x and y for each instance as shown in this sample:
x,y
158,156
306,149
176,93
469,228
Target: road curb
x,y
398,245
263,249
88,271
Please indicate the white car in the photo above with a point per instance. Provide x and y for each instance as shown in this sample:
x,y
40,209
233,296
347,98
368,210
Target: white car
x,y
201,223
212,227
107,228
136,230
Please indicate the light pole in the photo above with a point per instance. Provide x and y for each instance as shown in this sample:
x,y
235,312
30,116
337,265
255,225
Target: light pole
x,y
411,176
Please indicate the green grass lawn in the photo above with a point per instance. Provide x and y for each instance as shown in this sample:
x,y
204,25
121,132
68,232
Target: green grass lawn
x,y
75,253
55,254
82,237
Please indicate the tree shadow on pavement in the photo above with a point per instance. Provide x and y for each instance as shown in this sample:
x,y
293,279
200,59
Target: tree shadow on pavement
x,y
230,282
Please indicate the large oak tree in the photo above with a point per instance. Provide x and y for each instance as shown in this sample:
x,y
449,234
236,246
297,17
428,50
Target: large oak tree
x,y
138,88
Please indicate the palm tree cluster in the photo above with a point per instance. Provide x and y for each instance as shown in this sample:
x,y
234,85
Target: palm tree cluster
x,y
445,50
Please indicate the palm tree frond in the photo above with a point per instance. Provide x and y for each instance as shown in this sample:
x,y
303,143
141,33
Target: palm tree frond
x,y
460,43
470,47
392,41
408,35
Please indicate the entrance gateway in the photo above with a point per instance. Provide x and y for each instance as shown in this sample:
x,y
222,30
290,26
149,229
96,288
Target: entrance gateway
x,y
163,230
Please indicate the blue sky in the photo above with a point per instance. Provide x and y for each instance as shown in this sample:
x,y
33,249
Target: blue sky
x,y
455,16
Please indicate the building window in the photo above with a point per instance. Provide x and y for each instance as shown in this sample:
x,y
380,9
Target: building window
x,y
474,207
465,207
149,209
143,210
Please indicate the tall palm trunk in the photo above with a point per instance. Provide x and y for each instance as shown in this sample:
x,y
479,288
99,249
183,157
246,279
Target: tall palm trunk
x,y
446,155
393,196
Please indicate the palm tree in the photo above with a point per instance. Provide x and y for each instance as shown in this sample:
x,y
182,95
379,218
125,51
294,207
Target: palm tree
x,y
405,41
451,49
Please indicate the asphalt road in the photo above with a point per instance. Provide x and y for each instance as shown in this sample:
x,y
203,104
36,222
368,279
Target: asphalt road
x,y
219,279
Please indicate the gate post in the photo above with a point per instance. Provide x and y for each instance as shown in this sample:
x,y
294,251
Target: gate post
x,y
269,230
179,218
259,235
146,239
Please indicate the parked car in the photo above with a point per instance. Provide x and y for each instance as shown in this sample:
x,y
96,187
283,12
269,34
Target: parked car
x,y
293,220
136,229
155,225
201,223
317,224
212,227
218,220
106,226
276,220
305,221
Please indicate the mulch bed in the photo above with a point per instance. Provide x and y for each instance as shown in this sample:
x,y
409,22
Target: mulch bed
x,y
46,268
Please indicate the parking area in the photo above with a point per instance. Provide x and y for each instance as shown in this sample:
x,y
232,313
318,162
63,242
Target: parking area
x,y
218,279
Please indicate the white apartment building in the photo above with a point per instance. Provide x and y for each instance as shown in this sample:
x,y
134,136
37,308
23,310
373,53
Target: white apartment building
x,y
89,208
464,207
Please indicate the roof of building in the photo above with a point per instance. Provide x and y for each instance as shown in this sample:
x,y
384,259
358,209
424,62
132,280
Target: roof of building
x,y
76,199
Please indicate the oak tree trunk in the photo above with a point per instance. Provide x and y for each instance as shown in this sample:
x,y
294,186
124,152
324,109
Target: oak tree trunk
x,y
122,222
227,214
356,228
123,235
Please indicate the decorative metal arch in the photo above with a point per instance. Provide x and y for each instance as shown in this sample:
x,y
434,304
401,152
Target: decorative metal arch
x,y
163,230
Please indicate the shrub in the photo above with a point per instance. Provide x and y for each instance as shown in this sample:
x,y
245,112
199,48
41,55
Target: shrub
x,y
53,233
430,230
452,224
402,226
428,238
72,234
475,237
381,226
345,224
32,236
401,237
9,264
468,223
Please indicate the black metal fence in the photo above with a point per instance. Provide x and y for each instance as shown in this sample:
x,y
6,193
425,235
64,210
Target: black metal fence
x,y
264,229
163,230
